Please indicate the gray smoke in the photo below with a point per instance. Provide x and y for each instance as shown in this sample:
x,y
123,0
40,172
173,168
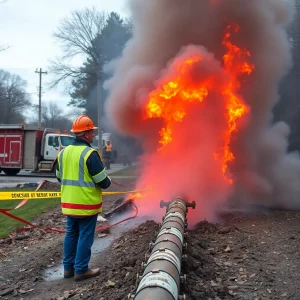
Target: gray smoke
x,y
263,171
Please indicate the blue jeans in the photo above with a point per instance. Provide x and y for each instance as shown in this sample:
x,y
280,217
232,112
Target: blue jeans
x,y
78,241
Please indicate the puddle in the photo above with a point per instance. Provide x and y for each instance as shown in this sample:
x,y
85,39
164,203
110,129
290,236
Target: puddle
x,y
101,244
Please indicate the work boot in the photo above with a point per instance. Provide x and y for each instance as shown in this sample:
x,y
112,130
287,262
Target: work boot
x,y
88,274
68,273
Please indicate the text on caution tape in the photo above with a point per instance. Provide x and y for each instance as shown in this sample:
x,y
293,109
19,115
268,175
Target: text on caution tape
x,y
45,195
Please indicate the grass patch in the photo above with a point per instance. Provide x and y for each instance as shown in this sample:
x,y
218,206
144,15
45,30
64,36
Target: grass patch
x,y
30,210
129,171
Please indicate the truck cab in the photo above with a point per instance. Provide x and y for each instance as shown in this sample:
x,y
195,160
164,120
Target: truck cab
x,y
54,143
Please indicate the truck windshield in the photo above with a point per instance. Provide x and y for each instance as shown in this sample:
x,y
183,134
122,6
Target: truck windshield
x,y
66,140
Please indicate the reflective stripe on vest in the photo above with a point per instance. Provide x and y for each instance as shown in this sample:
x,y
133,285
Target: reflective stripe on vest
x,y
80,181
80,196
109,148
99,177
81,206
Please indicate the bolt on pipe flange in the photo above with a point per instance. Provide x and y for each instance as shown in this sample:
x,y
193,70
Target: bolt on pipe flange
x,y
183,278
137,279
185,246
183,282
151,245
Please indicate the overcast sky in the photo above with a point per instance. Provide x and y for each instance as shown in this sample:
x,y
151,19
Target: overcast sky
x,y
27,26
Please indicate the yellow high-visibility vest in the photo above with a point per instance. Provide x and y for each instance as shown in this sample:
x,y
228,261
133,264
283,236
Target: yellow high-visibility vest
x,y
79,195
109,148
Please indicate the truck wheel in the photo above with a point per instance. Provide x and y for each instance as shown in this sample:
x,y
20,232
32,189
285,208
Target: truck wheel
x,y
11,172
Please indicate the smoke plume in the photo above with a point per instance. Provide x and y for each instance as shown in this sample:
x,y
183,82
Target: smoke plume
x,y
169,32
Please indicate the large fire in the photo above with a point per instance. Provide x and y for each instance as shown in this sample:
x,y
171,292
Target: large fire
x,y
196,87
177,90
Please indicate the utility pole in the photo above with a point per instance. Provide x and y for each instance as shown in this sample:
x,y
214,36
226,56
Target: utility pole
x,y
40,72
99,113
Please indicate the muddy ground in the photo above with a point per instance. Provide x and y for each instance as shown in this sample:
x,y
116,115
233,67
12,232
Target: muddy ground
x,y
246,256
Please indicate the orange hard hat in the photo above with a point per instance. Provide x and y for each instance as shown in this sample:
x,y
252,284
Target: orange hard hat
x,y
82,123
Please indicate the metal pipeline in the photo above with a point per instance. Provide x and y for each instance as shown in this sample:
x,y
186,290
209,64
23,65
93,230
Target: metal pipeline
x,y
162,278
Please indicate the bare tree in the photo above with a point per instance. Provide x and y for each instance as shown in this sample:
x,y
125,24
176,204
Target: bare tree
x,y
53,116
51,113
77,36
63,71
13,98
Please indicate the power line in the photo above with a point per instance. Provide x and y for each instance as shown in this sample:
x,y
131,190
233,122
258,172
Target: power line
x,y
40,72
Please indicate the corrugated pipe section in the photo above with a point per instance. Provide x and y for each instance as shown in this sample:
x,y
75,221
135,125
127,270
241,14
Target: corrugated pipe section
x,y
162,278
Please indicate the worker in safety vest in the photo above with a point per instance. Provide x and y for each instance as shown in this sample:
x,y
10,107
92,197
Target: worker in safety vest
x,y
107,154
108,148
82,176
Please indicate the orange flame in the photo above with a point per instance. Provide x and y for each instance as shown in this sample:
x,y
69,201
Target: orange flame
x,y
134,196
169,100
235,64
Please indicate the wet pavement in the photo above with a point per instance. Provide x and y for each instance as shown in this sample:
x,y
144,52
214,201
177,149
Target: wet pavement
x,y
29,177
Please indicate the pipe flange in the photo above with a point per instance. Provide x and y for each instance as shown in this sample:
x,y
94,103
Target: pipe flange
x,y
172,221
166,254
173,231
178,204
159,279
175,215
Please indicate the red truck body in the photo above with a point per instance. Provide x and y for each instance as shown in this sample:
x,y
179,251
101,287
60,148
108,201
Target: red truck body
x,y
22,147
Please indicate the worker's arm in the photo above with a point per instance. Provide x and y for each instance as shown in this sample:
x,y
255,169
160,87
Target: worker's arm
x,y
57,173
97,171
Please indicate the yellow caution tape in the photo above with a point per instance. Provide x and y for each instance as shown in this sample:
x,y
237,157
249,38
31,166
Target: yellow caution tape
x,y
46,195
28,195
